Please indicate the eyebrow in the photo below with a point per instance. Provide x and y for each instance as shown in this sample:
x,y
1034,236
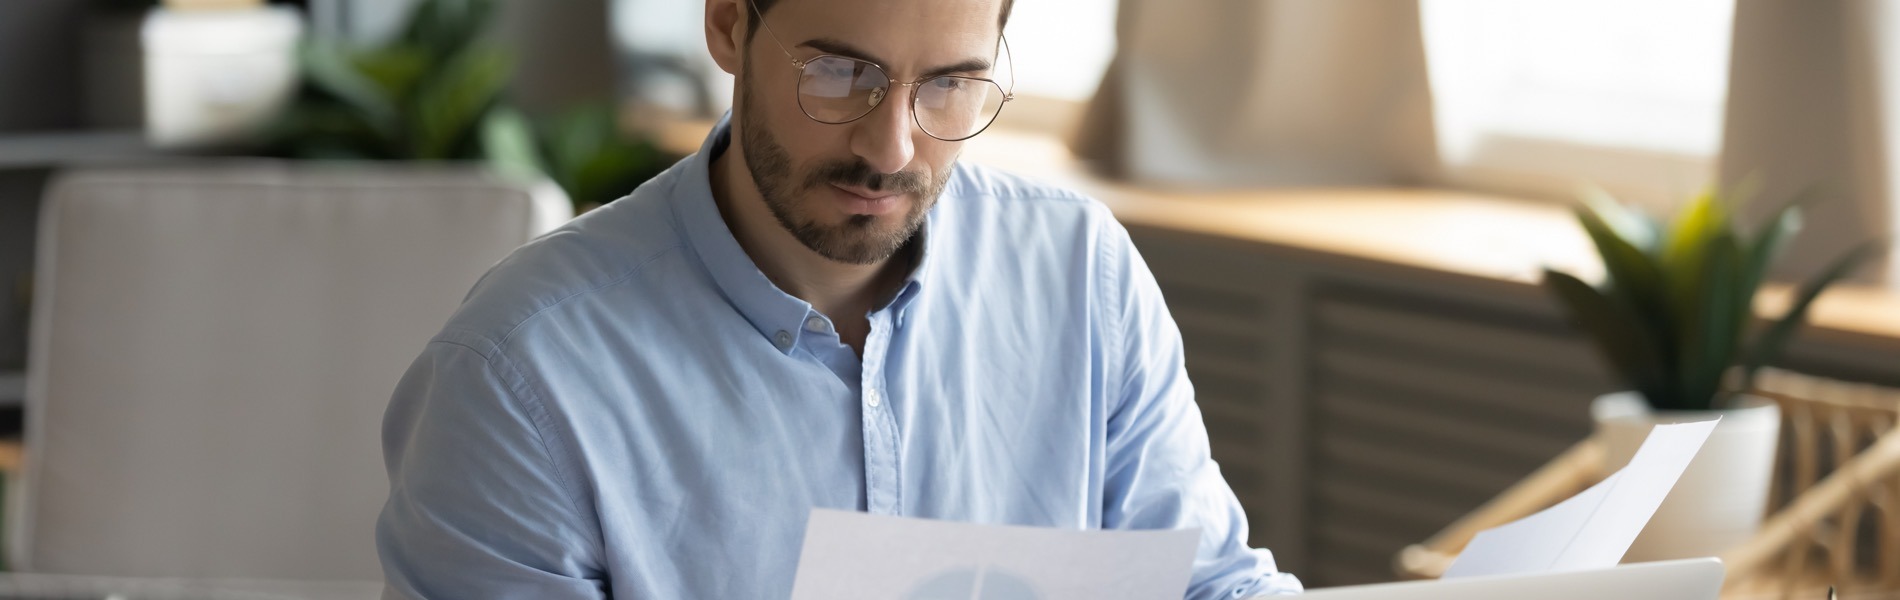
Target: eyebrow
x,y
831,46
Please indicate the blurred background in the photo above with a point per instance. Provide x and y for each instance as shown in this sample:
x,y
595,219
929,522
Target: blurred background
x,y
226,226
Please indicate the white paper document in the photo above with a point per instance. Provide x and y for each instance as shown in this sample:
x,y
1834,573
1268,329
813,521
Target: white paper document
x,y
849,555
1593,529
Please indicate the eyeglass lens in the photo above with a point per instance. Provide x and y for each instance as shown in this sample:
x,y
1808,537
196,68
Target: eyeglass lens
x,y
834,89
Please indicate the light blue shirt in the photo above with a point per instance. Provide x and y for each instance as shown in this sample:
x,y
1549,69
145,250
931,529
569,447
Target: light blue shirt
x,y
627,405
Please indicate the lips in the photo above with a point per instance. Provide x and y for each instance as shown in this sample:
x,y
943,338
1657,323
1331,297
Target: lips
x,y
860,201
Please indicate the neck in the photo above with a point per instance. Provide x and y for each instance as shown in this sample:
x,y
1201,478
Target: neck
x,y
844,292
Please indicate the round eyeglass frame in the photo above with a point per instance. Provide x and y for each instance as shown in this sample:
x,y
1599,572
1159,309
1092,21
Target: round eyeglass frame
x,y
800,64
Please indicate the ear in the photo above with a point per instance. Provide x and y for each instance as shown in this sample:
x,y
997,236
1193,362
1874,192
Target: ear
x,y
725,33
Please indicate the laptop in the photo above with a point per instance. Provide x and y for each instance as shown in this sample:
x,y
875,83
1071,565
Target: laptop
x,y
1692,579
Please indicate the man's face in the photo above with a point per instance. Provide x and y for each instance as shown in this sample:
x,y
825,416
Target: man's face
x,y
855,192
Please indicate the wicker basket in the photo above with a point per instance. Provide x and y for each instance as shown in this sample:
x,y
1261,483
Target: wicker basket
x,y
1836,504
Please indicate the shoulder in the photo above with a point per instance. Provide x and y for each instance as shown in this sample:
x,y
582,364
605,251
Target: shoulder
x,y
608,247
1007,233
986,198
982,182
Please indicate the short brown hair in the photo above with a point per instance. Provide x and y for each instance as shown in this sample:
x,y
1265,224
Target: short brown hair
x,y
764,6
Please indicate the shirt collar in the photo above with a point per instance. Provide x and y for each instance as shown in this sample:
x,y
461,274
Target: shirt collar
x,y
777,315
906,296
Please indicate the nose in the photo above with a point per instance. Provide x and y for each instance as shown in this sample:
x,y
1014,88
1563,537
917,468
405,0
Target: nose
x,y
884,138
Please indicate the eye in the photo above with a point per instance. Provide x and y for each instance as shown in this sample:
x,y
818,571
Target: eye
x,y
947,84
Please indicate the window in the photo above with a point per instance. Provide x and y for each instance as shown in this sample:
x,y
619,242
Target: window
x,y
1540,97
1061,47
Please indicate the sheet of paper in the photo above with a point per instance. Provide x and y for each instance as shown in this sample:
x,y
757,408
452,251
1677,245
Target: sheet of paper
x,y
1593,529
849,555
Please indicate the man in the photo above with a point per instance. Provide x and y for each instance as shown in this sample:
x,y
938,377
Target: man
x,y
819,309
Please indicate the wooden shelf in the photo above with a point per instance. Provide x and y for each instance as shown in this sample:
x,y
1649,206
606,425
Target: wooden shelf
x,y
1442,231
51,149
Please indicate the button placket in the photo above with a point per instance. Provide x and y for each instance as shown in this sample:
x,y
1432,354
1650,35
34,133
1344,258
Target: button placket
x,y
880,424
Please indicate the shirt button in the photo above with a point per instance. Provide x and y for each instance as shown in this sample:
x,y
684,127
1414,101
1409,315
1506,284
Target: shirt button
x,y
872,398
815,324
783,338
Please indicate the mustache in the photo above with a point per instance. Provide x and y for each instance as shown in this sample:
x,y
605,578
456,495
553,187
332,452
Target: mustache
x,y
857,173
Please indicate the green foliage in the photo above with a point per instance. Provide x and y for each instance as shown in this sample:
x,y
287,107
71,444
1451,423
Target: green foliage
x,y
592,162
437,92
1673,314
419,96
581,150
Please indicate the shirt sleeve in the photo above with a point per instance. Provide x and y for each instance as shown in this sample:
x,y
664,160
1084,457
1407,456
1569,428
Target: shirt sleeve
x,y
1160,474
478,508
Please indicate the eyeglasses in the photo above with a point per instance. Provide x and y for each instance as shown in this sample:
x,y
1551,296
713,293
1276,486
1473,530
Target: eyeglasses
x,y
839,89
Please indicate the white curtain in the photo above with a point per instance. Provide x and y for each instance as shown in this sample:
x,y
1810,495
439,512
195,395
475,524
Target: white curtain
x,y
1265,92
1809,107
1222,93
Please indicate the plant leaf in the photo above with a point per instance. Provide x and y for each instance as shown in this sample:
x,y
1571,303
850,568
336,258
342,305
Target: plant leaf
x,y
1702,218
593,160
447,27
330,70
1783,226
1631,225
1770,343
508,142
448,104
576,137
1685,253
1628,267
1635,281
1710,336
615,171
1625,345
326,130
394,69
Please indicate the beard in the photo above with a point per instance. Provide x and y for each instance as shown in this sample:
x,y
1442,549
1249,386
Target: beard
x,y
859,239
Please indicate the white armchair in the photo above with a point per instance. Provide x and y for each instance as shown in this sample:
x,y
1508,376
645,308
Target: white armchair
x,y
213,348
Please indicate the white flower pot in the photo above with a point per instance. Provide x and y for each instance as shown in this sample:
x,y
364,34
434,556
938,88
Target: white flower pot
x,y
1722,497
216,77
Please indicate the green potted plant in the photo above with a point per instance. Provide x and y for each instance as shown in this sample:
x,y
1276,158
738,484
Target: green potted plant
x,y
421,95
436,91
1674,319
